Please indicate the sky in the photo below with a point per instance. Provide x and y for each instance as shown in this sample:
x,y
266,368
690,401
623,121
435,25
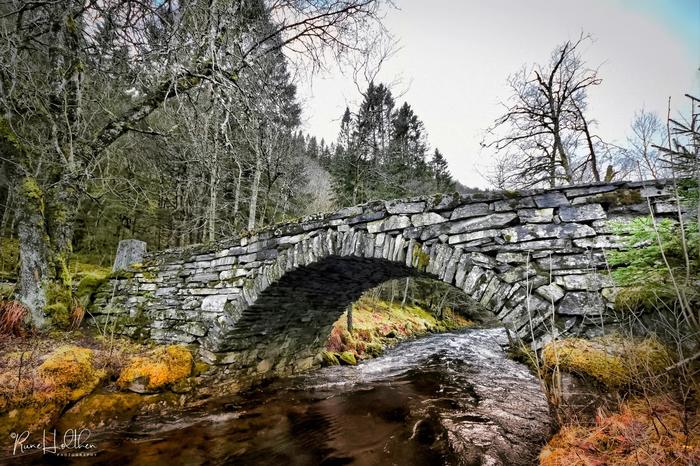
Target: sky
x,y
454,58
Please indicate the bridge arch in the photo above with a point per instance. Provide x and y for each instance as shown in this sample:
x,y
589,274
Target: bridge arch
x,y
264,300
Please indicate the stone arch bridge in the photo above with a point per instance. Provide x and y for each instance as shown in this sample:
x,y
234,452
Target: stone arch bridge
x,y
266,301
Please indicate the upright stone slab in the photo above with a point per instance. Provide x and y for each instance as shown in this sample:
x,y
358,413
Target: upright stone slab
x,y
129,251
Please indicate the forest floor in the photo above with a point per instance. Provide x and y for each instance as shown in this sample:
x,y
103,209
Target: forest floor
x,y
47,377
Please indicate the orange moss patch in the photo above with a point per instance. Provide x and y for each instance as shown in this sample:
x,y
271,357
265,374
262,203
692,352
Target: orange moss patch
x,y
643,432
33,394
160,367
69,373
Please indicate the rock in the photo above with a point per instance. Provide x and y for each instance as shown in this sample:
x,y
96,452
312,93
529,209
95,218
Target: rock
x,y
157,369
428,218
601,242
551,292
513,204
470,210
552,199
395,222
536,215
538,231
329,358
347,358
481,223
401,207
582,213
129,251
511,257
463,238
264,366
581,303
214,303
589,282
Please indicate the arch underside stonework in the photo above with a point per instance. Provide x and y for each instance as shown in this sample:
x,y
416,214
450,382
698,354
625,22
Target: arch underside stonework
x,y
536,259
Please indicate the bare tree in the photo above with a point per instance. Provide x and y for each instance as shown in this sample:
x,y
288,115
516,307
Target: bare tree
x,y
67,66
544,121
644,158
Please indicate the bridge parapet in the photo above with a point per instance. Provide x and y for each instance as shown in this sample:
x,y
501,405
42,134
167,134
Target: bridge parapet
x,y
272,294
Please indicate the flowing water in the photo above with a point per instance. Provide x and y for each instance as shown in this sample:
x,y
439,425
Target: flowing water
x,y
451,398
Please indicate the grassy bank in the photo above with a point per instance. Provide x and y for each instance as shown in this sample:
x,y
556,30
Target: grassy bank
x,y
378,324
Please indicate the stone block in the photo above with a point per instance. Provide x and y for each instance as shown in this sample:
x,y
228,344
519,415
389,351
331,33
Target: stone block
x,y
581,303
582,213
129,251
214,303
428,218
536,215
551,199
470,210
403,207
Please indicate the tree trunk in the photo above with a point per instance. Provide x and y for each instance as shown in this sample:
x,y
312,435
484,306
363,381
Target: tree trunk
x,y
254,193
63,205
405,292
34,250
213,188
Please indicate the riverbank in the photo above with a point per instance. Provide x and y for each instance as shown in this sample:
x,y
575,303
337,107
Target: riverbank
x,y
617,403
378,324
88,378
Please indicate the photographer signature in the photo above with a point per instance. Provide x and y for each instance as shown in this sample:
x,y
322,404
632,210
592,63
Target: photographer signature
x,y
73,442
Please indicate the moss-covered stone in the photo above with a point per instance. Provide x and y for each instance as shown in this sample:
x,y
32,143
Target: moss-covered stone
x,y
88,285
101,409
58,314
612,361
69,371
328,358
421,259
347,358
156,370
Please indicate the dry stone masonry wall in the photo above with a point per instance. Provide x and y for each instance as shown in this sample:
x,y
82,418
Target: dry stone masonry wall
x,y
266,301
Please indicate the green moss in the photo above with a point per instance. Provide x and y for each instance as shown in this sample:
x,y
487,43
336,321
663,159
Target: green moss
x,y
88,285
30,190
121,275
58,314
69,369
158,369
612,361
620,197
346,357
329,358
200,368
420,258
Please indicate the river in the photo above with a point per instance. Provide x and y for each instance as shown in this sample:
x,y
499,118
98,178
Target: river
x,y
452,398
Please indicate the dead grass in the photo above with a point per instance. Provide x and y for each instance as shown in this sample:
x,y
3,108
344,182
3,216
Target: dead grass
x,y
12,316
644,431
